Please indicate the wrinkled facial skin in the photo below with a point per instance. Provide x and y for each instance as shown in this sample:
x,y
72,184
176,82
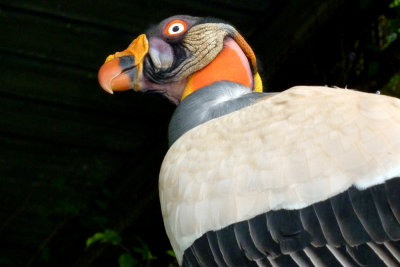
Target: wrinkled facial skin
x,y
174,57
166,51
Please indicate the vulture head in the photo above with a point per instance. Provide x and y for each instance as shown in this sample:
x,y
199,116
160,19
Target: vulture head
x,y
180,55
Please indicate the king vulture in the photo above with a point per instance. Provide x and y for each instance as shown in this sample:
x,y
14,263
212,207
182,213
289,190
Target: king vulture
x,y
306,177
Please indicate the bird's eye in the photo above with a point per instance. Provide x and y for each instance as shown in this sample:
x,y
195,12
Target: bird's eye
x,y
175,27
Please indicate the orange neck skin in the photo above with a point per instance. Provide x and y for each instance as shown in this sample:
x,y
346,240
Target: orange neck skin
x,y
231,64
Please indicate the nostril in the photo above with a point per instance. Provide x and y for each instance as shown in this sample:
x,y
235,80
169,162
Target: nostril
x,y
127,62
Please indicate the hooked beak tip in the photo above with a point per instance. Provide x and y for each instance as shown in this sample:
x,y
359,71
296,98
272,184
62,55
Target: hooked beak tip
x,y
107,73
105,83
108,90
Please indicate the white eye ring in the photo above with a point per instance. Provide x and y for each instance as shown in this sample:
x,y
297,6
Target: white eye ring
x,y
176,28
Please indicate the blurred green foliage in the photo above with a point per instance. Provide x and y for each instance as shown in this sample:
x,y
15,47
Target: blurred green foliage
x,y
144,251
126,260
139,255
393,86
394,3
108,236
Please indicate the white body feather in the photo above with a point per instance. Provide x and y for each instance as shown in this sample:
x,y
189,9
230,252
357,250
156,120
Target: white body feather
x,y
288,151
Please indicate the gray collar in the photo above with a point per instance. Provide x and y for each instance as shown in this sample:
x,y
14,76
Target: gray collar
x,y
208,103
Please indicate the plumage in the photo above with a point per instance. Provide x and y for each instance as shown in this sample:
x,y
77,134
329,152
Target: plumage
x,y
309,176
311,224
392,188
329,224
325,158
246,242
364,207
348,222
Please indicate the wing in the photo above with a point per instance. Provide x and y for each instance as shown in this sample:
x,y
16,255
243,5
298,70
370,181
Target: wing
x,y
294,162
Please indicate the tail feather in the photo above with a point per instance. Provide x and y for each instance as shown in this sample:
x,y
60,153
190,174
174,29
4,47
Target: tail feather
x,y
262,236
341,256
321,256
301,258
363,205
229,247
245,241
264,262
282,261
383,254
311,225
393,196
201,249
328,223
349,224
363,255
287,230
394,249
389,222
215,250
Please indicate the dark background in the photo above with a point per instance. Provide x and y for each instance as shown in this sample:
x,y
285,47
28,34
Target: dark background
x,y
75,161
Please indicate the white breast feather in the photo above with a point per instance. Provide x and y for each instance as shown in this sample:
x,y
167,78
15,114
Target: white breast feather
x,y
287,151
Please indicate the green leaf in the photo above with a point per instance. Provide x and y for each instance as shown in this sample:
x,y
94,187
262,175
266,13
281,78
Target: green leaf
x,y
394,4
96,237
393,86
171,253
108,236
144,250
126,260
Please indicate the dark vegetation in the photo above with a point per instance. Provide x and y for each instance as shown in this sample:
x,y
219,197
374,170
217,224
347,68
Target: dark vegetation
x,y
79,168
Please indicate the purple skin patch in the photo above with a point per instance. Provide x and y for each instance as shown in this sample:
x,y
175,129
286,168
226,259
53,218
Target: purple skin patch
x,y
160,53
162,56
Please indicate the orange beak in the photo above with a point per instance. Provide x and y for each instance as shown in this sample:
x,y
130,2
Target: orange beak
x,y
124,70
